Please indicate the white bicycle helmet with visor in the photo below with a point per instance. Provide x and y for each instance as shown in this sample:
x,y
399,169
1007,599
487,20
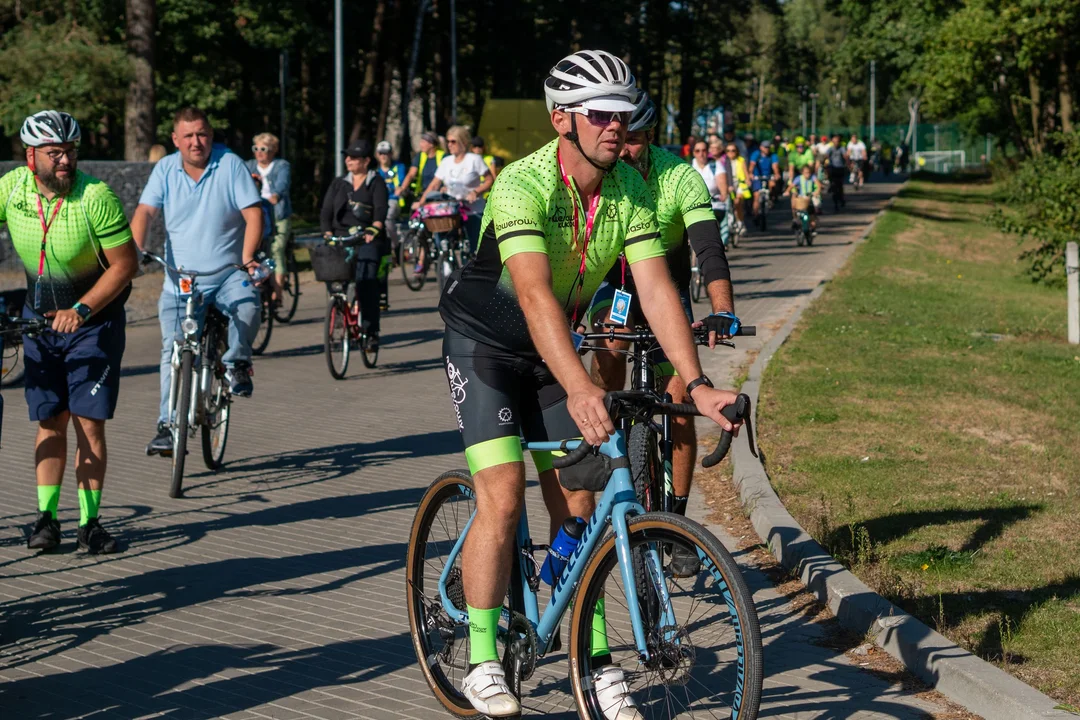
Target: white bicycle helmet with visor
x,y
49,127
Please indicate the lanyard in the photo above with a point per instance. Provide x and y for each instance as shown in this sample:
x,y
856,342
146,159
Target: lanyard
x,y
44,235
590,216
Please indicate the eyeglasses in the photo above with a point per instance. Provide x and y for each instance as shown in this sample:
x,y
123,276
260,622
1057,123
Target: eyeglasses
x,y
55,155
452,142
601,118
732,151
259,148
700,150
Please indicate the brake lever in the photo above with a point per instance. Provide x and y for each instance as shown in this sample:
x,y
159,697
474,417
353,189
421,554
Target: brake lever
x,y
737,411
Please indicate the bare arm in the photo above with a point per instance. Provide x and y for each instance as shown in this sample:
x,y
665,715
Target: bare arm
x,y
123,263
140,225
531,274
660,302
721,297
253,219
436,183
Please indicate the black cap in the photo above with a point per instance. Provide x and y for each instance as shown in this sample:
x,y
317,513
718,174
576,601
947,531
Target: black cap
x,y
477,141
359,149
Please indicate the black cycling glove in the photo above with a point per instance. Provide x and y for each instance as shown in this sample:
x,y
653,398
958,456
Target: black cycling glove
x,y
722,323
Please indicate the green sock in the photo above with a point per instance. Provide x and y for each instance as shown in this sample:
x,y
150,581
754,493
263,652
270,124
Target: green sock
x,y
89,502
599,630
48,498
483,628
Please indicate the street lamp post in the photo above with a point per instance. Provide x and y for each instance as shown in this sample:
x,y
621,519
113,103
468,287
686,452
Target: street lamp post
x,y
813,113
339,94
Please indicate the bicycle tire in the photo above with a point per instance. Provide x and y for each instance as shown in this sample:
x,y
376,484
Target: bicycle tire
x,y
217,404
370,357
452,485
741,701
181,424
266,324
335,316
645,468
696,285
12,363
285,310
446,266
410,251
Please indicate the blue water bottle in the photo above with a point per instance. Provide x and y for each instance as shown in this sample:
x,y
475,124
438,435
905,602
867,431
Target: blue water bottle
x,y
562,547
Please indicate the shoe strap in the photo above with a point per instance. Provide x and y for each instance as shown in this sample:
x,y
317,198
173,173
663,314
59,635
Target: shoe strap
x,y
489,680
610,681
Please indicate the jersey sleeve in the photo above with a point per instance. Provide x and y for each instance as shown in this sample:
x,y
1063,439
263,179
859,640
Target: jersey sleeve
x,y
244,192
153,193
695,204
517,217
7,187
107,217
643,234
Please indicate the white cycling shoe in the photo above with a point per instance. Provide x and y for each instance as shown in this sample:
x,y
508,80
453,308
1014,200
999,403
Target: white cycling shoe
x,y
613,694
486,689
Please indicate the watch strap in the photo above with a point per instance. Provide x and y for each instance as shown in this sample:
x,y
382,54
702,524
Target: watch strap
x,y
84,310
695,384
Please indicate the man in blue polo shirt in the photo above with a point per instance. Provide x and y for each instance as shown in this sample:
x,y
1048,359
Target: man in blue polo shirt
x,y
212,217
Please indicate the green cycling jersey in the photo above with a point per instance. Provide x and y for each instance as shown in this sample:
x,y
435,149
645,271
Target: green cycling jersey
x,y
531,209
90,219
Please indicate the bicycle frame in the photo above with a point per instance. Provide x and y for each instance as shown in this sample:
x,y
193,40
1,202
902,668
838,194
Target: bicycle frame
x,y
617,504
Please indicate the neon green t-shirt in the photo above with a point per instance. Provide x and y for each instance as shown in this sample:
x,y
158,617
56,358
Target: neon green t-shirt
x,y
532,210
90,220
800,159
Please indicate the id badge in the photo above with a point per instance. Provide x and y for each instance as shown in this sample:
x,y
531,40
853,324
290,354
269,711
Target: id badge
x,y
620,307
185,286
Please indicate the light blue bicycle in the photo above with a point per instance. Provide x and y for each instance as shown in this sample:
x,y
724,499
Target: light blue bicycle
x,y
688,647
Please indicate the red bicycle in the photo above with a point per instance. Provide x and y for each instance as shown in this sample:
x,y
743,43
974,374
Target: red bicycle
x,y
342,328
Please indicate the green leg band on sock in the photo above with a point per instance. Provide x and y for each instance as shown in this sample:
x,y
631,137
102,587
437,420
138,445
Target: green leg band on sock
x,y
48,498
483,628
599,630
89,502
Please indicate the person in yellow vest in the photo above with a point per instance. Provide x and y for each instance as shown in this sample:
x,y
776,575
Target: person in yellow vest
x,y
491,161
424,164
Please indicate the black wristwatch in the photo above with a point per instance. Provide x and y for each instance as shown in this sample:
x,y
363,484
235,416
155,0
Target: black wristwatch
x,y
695,384
83,310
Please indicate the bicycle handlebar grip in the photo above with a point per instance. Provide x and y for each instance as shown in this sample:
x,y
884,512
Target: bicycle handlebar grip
x,y
737,411
747,330
575,456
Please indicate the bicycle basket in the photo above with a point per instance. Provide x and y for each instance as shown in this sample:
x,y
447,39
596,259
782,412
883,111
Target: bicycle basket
x,y
331,264
441,216
801,203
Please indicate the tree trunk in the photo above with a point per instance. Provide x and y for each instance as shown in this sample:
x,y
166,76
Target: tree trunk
x,y
139,127
373,62
686,88
1065,99
1035,96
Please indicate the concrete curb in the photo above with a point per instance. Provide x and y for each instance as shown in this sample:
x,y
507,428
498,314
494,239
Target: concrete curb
x,y
953,671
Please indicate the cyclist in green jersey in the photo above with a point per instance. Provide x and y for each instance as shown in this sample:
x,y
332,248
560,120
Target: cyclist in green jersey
x,y
684,214
70,231
555,224
801,157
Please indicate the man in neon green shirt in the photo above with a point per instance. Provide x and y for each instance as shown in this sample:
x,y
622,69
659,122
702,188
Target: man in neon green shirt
x,y
510,360
70,231
801,157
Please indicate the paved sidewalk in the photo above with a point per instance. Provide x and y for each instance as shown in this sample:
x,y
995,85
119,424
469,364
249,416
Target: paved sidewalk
x,y
275,588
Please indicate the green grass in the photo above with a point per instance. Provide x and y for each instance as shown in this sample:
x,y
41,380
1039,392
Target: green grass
x,y
922,423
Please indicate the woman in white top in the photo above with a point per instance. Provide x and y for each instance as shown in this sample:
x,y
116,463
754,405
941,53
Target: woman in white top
x,y
461,176
714,175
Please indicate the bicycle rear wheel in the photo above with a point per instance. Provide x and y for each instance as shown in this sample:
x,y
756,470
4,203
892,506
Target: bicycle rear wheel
x,y
705,664
266,324
441,643
290,291
181,424
411,244
12,365
336,338
217,402
696,285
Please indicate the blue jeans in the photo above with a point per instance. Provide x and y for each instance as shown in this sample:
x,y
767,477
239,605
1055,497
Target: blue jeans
x,y
235,296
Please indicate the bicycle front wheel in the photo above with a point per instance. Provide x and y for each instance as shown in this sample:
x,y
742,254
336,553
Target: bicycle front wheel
x,y
410,256
336,338
441,643
290,291
705,660
181,423
266,326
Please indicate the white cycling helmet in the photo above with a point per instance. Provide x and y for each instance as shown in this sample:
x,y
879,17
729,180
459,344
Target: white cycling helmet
x,y
592,79
644,117
49,127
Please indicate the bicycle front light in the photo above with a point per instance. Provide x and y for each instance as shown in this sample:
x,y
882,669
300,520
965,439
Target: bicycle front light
x,y
189,326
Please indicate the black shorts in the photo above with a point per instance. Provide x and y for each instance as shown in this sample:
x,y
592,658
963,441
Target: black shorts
x,y
500,398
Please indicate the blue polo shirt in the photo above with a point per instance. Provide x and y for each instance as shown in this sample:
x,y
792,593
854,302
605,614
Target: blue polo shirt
x,y
204,225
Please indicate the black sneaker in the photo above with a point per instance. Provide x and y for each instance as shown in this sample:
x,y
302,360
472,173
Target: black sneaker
x,y
371,344
162,444
95,539
46,532
239,379
684,561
